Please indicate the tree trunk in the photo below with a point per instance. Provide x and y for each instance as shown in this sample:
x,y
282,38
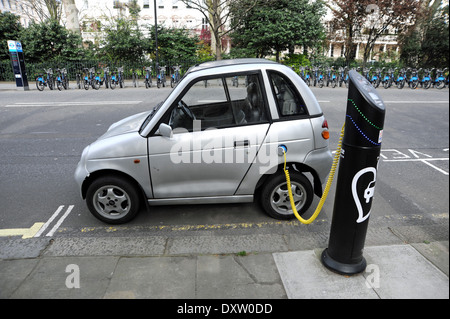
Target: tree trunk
x,y
71,11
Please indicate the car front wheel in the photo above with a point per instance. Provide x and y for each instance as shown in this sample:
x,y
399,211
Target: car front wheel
x,y
275,195
113,200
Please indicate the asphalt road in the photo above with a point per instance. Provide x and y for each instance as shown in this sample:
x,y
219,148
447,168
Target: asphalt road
x,y
42,135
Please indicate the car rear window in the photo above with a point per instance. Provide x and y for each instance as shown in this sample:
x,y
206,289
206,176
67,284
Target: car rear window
x,y
289,101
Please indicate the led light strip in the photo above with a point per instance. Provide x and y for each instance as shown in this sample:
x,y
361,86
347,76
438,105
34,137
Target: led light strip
x,y
362,133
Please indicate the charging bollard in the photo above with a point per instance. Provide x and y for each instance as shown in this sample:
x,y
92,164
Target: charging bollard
x,y
356,177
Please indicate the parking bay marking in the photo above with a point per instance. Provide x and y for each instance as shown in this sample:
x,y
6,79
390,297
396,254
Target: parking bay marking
x,y
398,156
50,220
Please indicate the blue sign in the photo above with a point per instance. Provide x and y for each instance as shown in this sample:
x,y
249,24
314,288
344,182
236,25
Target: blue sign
x,y
14,46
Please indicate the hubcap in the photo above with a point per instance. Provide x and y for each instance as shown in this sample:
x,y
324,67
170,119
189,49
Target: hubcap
x,y
279,199
111,202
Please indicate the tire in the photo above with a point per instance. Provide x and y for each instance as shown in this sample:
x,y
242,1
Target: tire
x,y
440,85
320,83
113,200
95,84
333,83
40,85
275,197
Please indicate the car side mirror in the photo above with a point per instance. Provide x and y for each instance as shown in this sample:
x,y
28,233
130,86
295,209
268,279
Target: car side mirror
x,y
165,130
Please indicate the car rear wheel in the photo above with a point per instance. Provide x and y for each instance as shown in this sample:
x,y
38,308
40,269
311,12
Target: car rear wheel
x,y
275,196
113,200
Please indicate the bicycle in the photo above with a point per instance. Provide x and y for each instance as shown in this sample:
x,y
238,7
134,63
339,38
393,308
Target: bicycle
x,y
388,79
175,78
413,81
148,77
439,81
90,79
161,77
401,79
343,77
117,79
304,74
105,78
376,78
319,78
425,82
331,78
42,82
62,80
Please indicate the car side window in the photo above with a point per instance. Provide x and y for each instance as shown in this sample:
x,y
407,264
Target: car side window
x,y
220,102
288,99
247,100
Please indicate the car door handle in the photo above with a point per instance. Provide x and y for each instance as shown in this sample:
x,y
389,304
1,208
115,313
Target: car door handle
x,y
244,143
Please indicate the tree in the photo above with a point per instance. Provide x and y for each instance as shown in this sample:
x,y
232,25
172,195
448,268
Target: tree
x,y
48,41
173,44
217,13
369,18
279,25
44,9
123,41
71,11
426,42
10,29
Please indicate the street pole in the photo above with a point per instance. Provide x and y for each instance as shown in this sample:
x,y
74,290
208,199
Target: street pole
x,y
156,39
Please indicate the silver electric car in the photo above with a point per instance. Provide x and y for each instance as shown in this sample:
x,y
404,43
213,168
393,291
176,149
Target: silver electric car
x,y
221,136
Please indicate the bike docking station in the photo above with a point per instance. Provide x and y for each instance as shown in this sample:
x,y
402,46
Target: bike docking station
x,y
18,64
357,174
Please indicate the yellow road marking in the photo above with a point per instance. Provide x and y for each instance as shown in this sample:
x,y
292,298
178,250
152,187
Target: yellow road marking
x,y
25,232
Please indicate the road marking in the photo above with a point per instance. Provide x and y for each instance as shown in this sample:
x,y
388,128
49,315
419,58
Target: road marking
x,y
50,220
393,155
39,233
435,167
416,102
78,103
52,231
25,232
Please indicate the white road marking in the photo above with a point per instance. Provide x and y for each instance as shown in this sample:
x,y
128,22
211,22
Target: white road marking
x,y
60,221
50,220
78,103
43,228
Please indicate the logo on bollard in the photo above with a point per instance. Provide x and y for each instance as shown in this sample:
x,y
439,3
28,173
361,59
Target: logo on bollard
x,y
368,192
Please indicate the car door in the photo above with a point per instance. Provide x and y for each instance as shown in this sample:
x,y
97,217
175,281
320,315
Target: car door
x,y
218,129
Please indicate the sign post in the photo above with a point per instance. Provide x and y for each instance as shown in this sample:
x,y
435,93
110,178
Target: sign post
x,y
18,64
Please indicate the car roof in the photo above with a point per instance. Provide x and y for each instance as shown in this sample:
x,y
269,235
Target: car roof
x,y
223,63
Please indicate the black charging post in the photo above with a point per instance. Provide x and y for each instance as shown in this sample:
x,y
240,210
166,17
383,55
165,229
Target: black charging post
x,y
356,177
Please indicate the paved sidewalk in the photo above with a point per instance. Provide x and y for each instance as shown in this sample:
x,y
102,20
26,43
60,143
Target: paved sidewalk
x,y
120,267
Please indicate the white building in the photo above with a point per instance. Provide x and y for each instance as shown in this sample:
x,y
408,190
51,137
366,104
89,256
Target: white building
x,y
170,13
20,8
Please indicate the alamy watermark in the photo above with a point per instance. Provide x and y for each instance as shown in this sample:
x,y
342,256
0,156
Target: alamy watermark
x,y
373,279
224,148
73,279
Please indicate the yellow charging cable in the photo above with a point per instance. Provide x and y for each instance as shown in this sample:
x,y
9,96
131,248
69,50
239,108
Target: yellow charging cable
x,y
327,187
